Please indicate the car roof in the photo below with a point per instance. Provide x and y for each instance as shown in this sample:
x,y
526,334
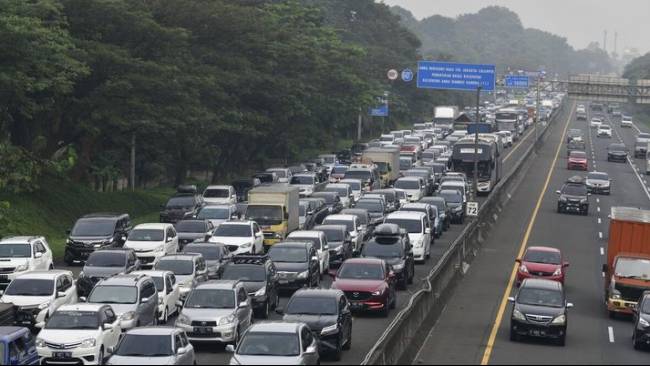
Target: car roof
x,y
350,180
340,217
82,307
158,331
406,215
275,327
317,292
364,261
293,244
543,249
541,284
104,215
331,227
218,285
152,226
416,205
44,275
152,273
181,256
228,223
19,239
123,280
218,187
337,185
306,234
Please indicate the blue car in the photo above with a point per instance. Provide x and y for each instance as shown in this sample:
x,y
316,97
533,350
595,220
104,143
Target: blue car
x,y
17,346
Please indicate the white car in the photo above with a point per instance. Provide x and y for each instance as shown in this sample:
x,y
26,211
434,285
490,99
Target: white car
x,y
150,242
357,187
351,222
20,254
38,294
596,122
190,269
344,191
418,227
415,187
283,174
627,122
168,292
604,131
220,195
241,237
80,334
320,242
507,138
306,182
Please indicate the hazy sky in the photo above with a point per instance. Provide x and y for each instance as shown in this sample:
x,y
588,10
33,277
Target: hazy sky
x,y
580,21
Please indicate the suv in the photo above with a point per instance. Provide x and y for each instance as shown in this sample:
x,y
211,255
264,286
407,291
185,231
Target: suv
x,y
216,311
96,231
167,346
183,205
13,339
641,335
339,242
617,153
574,197
152,241
369,285
316,210
418,227
189,269
260,277
297,263
392,245
168,293
444,213
21,254
219,195
216,256
306,182
190,231
319,240
103,264
134,299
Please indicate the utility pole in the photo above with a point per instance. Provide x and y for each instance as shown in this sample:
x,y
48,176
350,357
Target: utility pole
x,y
478,119
605,41
359,127
132,170
537,111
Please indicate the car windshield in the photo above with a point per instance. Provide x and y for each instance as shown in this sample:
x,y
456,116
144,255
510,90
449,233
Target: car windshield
x,y
303,305
578,155
211,299
330,199
333,235
147,235
216,193
134,345
407,184
302,180
438,168
349,224
269,344
339,170
383,250
543,257
617,147
209,252
575,190
180,202
30,287
598,176
93,227
361,271
411,226
406,164
214,213
371,206
244,272
288,254
632,268
342,192
73,320
107,259
605,127
106,294
540,297
265,215
191,227
179,267
356,186
15,251
363,175
234,231
452,197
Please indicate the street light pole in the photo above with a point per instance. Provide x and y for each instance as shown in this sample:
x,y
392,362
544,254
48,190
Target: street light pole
x,y
478,119
537,111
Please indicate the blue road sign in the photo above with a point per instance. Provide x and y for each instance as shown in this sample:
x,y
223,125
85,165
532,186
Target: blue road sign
x,y
381,111
445,75
407,75
517,81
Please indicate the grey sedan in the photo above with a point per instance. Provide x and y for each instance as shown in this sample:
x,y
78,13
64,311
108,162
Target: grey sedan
x,y
153,346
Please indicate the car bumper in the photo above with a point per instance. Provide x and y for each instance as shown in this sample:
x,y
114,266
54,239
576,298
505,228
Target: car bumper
x,y
576,208
79,254
619,158
599,190
149,259
419,253
84,356
621,306
573,166
293,284
328,343
221,334
642,336
29,317
522,276
368,305
537,330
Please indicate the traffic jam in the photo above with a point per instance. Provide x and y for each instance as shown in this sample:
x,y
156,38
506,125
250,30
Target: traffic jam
x,y
274,268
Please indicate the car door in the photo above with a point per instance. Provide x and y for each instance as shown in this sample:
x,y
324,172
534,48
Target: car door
x,y
189,356
47,252
171,245
147,308
37,257
258,238
59,300
243,312
308,341
172,293
325,253
111,336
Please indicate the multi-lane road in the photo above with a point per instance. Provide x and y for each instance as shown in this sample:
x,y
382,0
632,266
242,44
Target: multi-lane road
x,y
474,328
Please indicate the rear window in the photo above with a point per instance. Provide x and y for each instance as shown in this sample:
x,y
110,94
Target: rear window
x,y
191,227
216,193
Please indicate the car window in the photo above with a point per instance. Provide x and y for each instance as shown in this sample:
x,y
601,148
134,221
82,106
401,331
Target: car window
x,y
242,296
184,339
59,285
110,316
178,342
66,283
168,283
307,339
148,290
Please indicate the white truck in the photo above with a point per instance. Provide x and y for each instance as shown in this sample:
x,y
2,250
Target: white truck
x,y
387,161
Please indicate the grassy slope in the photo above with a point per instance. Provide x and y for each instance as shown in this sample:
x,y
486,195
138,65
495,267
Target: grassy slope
x,y
55,207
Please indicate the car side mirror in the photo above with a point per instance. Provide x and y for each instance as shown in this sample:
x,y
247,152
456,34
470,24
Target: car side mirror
x,y
427,231
279,311
311,350
40,325
38,255
605,268
569,305
230,348
123,238
558,192
83,299
243,304
511,299
144,300
108,326
181,351
179,304
60,294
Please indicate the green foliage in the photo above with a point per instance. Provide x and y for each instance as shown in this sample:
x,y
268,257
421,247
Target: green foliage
x,y
639,68
18,171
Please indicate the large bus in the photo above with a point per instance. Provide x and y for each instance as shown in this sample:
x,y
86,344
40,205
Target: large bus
x,y
490,162
508,120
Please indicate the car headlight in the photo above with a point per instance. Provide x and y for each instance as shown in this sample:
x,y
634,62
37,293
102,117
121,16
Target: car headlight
x,y
419,243
185,289
68,241
398,267
616,295
88,343
226,320
40,343
128,316
560,320
160,249
523,269
458,209
378,292
584,201
563,199
644,323
247,245
261,292
22,267
558,272
277,236
183,320
44,305
332,329
303,275
339,249
518,315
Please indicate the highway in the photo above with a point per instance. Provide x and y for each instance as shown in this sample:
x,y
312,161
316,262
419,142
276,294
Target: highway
x,y
474,328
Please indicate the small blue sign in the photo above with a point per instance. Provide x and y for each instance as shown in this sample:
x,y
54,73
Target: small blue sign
x,y
381,111
407,75
455,76
517,81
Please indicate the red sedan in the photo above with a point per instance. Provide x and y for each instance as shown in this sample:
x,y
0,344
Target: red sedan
x,y
368,283
542,262
578,161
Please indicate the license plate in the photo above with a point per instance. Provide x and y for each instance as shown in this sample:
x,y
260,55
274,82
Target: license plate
x,y
537,333
202,330
62,355
283,282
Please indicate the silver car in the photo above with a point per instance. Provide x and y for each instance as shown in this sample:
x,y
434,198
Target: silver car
x,y
153,346
276,344
216,311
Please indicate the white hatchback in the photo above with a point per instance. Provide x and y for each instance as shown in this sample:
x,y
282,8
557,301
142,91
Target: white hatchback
x,y
150,242
240,237
220,195
415,187
168,292
418,227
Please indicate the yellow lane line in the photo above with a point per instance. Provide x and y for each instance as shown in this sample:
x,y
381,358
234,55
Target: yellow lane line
x,y
518,145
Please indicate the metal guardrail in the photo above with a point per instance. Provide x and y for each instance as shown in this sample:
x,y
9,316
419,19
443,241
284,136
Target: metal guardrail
x,y
404,335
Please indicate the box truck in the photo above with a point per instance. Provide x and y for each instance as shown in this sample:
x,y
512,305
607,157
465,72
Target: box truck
x,y
276,209
387,161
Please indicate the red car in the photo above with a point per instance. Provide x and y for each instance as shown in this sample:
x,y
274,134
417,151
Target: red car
x,y
542,262
578,161
369,285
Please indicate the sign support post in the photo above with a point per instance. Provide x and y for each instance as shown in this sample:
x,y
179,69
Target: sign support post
x,y
478,120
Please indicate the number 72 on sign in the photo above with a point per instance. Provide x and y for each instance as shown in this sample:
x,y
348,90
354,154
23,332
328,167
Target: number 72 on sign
x,y
472,209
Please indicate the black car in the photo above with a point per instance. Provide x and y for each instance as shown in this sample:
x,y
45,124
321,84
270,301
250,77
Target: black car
x,y
185,204
392,244
103,264
540,310
574,197
315,213
340,243
93,232
332,201
617,153
216,256
260,277
390,196
456,204
641,336
297,263
193,230
328,315
376,209
444,212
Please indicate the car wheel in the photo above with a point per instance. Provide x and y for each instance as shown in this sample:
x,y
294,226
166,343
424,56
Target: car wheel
x,y
403,283
166,316
635,344
336,355
51,267
264,314
100,358
514,337
348,345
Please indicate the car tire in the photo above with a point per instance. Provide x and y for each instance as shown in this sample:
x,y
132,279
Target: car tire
x,y
385,312
165,316
612,314
338,352
348,345
100,357
403,284
635,344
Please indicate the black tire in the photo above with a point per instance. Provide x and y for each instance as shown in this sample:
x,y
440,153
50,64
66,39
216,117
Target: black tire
x,y
636,345
385,312
403,283
264,314
338,353
100,359
165,316
348,345
393,304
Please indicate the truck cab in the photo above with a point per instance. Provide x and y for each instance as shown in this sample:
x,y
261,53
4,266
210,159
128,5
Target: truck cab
x,y
17,347
276,209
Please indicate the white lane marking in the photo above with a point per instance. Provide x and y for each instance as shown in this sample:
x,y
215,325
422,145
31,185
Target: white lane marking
x,y
598,209
602,251
600,235
611,334
597,200
600,221
632,163
603,274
